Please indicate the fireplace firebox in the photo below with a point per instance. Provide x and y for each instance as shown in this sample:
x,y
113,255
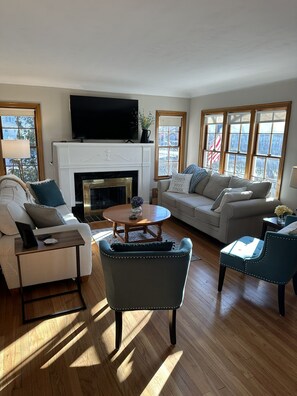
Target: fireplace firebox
x,y
96,191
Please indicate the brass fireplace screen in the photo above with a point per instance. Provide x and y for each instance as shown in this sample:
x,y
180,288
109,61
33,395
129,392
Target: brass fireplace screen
x,y
99,194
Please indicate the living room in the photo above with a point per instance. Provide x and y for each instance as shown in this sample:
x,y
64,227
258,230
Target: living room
x,y
228,343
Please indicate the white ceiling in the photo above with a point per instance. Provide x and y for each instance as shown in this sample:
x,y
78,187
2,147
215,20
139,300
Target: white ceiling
x,y
181,48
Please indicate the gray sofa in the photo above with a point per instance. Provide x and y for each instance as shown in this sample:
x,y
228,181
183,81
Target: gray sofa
x,y
240,215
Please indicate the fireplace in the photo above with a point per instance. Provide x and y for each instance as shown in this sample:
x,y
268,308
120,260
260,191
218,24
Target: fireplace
x,y
96,191
71,158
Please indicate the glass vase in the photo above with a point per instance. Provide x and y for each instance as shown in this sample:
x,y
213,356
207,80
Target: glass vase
x,y
281,219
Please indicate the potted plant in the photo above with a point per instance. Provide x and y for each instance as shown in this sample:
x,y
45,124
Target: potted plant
x,y
145,121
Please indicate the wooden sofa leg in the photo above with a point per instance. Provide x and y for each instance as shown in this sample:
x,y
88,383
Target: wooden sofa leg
x,y
221,277
119,327
172,326
281,299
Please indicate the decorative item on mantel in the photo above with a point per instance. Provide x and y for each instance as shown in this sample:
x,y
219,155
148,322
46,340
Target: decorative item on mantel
x,y
282,211
145,122
136,208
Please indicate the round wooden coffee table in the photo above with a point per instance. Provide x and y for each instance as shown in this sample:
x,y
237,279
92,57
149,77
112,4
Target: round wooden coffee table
x,y
151,215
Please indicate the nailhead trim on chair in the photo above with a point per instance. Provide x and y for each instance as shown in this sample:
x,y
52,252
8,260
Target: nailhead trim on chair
x,y
143,308
142,256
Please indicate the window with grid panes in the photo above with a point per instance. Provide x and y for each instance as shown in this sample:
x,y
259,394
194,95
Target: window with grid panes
x,y
22,121
169,148
246,141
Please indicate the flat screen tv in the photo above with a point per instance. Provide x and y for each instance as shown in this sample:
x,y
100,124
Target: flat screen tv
x,y
96,118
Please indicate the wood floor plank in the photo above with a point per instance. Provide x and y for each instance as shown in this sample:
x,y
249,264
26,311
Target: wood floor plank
x,y
228,343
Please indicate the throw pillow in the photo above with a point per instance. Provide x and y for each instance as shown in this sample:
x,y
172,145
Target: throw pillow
x,y
290,229
215,185
180,183
259,189
47,193
233,197
198,174
142,247
44,216
217,202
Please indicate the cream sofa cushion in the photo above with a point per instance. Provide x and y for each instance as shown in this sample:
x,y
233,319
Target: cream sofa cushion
x,y
12,199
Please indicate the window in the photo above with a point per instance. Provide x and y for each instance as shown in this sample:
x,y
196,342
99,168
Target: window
x,y
20,121
246,141
170,143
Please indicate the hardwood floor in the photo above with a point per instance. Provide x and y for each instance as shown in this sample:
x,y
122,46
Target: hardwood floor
x,y
233,343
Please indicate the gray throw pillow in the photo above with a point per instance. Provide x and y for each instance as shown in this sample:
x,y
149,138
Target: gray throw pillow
x,y
44,216
218,201
259,189
215,185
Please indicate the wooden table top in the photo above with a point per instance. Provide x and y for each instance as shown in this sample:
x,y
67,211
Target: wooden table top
x,y
65,239
151,214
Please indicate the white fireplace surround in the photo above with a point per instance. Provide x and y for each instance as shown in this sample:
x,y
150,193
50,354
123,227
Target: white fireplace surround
x,y
71,157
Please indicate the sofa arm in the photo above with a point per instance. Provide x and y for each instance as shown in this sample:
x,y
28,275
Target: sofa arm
x,y
162,186
249,208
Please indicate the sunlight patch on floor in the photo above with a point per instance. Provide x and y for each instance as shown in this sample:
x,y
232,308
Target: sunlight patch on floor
x,y
126,367
88,358
158,381
74,338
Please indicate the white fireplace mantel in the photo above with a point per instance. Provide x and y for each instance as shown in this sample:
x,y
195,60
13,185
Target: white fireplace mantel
x,y
71,157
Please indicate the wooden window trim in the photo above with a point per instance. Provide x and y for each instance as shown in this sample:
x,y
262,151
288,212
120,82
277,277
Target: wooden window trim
x,y
181,165
38,130
253,133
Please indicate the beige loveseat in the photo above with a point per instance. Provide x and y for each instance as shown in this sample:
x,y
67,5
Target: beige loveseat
x,y
241,214
42,267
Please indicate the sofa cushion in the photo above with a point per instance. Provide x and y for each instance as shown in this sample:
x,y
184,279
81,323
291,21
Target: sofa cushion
x,y
11,212
44,216
217,202
202,184
215,185
259,189
198,174
12,199
180,183
46,192
233,197
187,205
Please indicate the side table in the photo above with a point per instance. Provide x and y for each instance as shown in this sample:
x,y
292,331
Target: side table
x,y
270,222
65,240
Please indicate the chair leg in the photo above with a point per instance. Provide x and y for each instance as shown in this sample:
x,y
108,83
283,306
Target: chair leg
x,y
221,277
295,283
281,299
172,326
119,327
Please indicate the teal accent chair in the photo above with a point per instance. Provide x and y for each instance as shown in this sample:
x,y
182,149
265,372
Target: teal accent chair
x,y
140,279
273,260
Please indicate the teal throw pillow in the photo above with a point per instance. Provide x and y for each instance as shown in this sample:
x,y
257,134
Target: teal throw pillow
x,y
142,247
47,193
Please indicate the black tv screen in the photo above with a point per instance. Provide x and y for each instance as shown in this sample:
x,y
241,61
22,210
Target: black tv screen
x,y
97,118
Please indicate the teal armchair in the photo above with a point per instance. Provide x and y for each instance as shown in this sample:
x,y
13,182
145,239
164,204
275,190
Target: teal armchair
x,y
138,279
273,260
